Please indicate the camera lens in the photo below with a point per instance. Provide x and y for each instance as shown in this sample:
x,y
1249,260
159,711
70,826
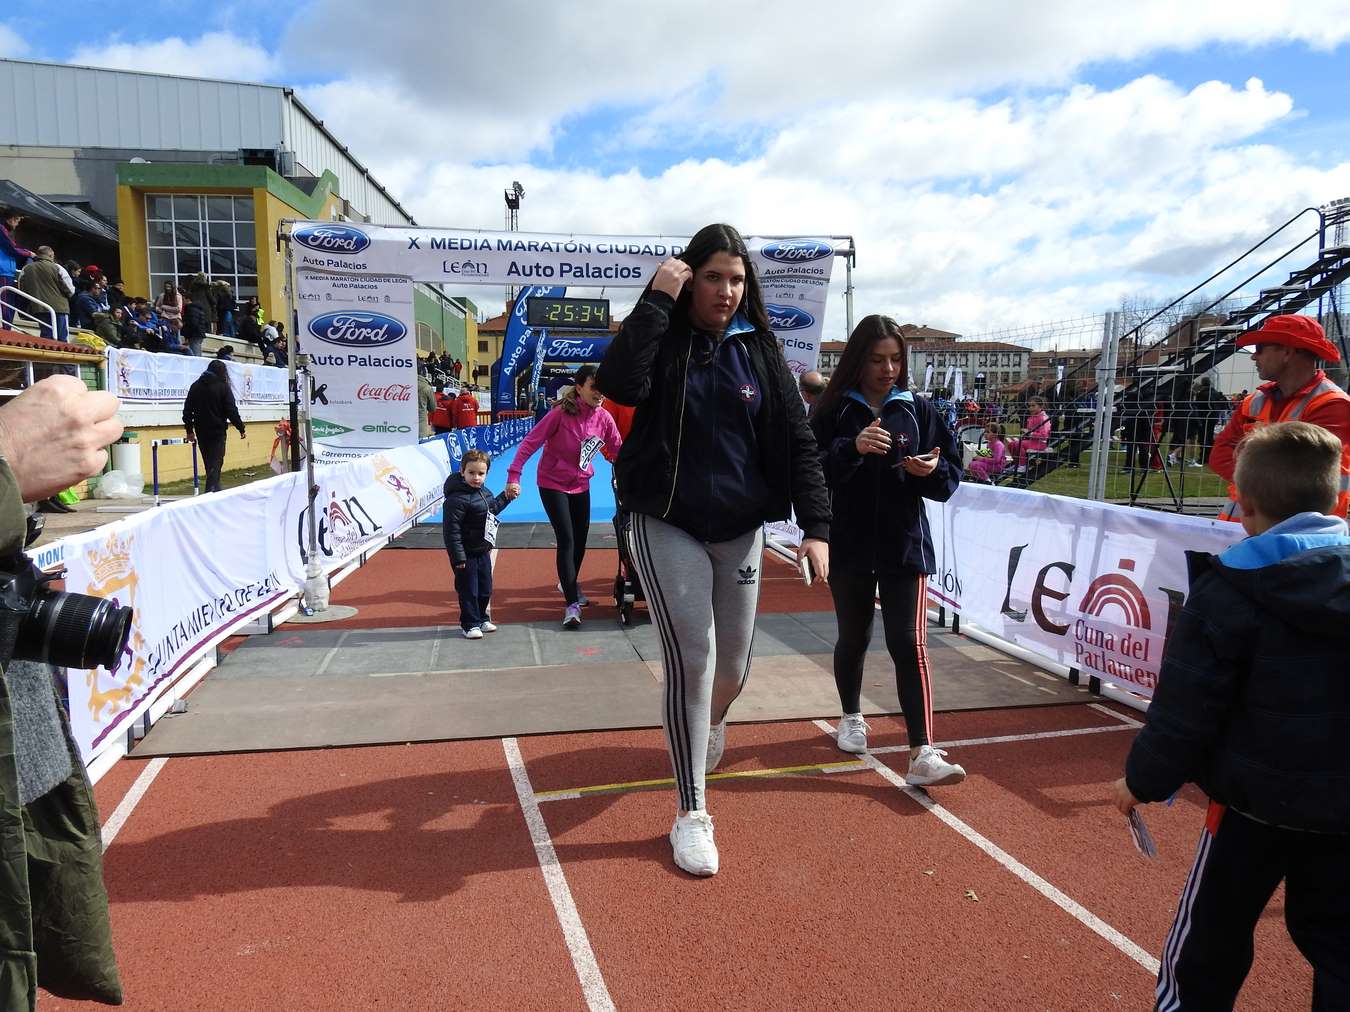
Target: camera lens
x,y
73,631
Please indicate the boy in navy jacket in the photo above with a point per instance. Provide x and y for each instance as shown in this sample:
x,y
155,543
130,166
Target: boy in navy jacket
x,y
1253,705
469,526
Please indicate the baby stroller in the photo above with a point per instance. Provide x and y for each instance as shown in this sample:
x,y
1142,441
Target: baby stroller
x,y
627,584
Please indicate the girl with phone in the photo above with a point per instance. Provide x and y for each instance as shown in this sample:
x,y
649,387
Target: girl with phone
x,y
884,451
719,445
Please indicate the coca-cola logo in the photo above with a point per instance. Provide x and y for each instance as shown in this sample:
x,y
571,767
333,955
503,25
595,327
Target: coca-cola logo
x,y
390,392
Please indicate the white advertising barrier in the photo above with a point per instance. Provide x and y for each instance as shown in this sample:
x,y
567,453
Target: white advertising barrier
x,y
794,273
1090,585
144,377
359,334
194,571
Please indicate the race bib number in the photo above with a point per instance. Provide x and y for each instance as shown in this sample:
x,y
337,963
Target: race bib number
x,y
490,529
589,449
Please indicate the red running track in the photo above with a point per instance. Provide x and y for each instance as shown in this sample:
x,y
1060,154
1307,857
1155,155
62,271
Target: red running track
x,y
406,878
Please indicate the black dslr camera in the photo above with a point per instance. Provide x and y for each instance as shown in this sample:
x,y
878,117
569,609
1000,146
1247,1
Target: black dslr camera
x,y
53,627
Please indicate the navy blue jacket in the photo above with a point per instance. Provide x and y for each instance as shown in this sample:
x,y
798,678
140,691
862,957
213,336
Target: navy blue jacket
x,y
464,518
878,520
1253,696
651,365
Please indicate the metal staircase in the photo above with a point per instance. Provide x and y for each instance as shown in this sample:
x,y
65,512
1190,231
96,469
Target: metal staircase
x,y
1199,343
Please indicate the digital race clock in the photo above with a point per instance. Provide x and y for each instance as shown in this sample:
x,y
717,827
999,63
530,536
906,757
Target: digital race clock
x,y
568,314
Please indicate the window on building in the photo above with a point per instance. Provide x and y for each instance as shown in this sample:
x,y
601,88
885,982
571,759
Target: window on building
x,y
187,233
482,347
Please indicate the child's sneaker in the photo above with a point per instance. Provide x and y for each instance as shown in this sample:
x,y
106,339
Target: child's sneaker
x,y
717,743
476,633
929,769
691,838
488,627
852,736
572,617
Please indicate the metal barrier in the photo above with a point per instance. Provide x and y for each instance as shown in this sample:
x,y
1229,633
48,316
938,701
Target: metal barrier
x,y
155,444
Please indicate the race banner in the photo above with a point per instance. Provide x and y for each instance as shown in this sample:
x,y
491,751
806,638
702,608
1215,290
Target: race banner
x,y
519,344
145,377
1090,585
359,334
794,273
193,571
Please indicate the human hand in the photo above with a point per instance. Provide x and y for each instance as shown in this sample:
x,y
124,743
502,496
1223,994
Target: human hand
x,y
1122,798
54,435
242,433
672,276
458,567
873,439
513,489
817,553
191,437
922,467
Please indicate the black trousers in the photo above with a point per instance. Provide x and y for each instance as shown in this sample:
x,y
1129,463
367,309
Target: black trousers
x,y
212,448
473,584
905,621
1238,865
570,515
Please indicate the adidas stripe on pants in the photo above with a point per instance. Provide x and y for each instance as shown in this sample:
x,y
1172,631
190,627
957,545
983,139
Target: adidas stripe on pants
x,y
1238,866
702,598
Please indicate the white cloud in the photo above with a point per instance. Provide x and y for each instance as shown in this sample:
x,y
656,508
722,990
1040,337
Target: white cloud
x,y
12,44
213,55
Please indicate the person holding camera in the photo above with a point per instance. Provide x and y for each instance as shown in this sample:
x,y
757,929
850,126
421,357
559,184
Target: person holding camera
x,y
54,928
884,451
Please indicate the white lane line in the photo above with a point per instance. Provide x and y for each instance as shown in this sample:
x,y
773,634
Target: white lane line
x,y
1060,899
1002,738
593,987
534,647
328,657
130,800
435,648
1127,721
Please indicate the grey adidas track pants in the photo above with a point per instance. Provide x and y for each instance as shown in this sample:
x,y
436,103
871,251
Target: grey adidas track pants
x,y
702,598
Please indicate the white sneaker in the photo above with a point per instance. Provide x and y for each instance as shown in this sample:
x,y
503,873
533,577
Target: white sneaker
x,y
692,841
581,598
476,633
488,627
717,742
931,770
852,735
1171,460
572,617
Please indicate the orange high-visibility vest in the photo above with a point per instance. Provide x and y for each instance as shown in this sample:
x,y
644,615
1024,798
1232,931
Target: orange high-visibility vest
x,y
1259,409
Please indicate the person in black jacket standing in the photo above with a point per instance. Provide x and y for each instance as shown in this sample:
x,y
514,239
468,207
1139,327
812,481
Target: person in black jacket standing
x,y
208,412
884,452
719,445
469,526
1253,705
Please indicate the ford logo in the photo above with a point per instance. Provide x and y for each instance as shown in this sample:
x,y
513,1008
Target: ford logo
x,y
789,317
796,251
332,238
357,330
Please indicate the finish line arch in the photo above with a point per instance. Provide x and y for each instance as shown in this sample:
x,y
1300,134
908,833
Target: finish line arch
x,y
350,298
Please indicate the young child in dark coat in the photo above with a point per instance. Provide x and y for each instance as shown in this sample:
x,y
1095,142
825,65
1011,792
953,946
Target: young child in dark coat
x,y
469,524
1253,705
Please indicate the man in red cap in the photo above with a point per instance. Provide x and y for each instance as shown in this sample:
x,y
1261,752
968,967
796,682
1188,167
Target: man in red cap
x,y
1288,352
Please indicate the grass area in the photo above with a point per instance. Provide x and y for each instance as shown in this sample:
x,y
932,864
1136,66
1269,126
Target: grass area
x,y
228,479
1189,482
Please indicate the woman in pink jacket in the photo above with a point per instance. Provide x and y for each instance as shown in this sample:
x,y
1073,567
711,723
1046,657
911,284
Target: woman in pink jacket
x,y
572,433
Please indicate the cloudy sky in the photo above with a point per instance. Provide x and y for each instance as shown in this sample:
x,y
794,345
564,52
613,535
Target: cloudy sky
x,y
997,164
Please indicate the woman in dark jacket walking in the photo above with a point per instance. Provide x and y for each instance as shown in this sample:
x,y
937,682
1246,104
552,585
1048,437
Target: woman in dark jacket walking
x,y
208,411
884,452
719,445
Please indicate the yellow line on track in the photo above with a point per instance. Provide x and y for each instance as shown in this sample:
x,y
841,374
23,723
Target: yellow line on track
x,y
669,781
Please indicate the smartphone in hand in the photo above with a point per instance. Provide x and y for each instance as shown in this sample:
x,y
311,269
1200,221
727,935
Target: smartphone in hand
x,y
808,575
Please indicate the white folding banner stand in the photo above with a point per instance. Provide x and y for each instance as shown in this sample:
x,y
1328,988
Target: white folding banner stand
x,y
359,333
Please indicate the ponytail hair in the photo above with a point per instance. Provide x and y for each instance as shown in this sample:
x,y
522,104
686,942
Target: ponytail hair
x,y
568,401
